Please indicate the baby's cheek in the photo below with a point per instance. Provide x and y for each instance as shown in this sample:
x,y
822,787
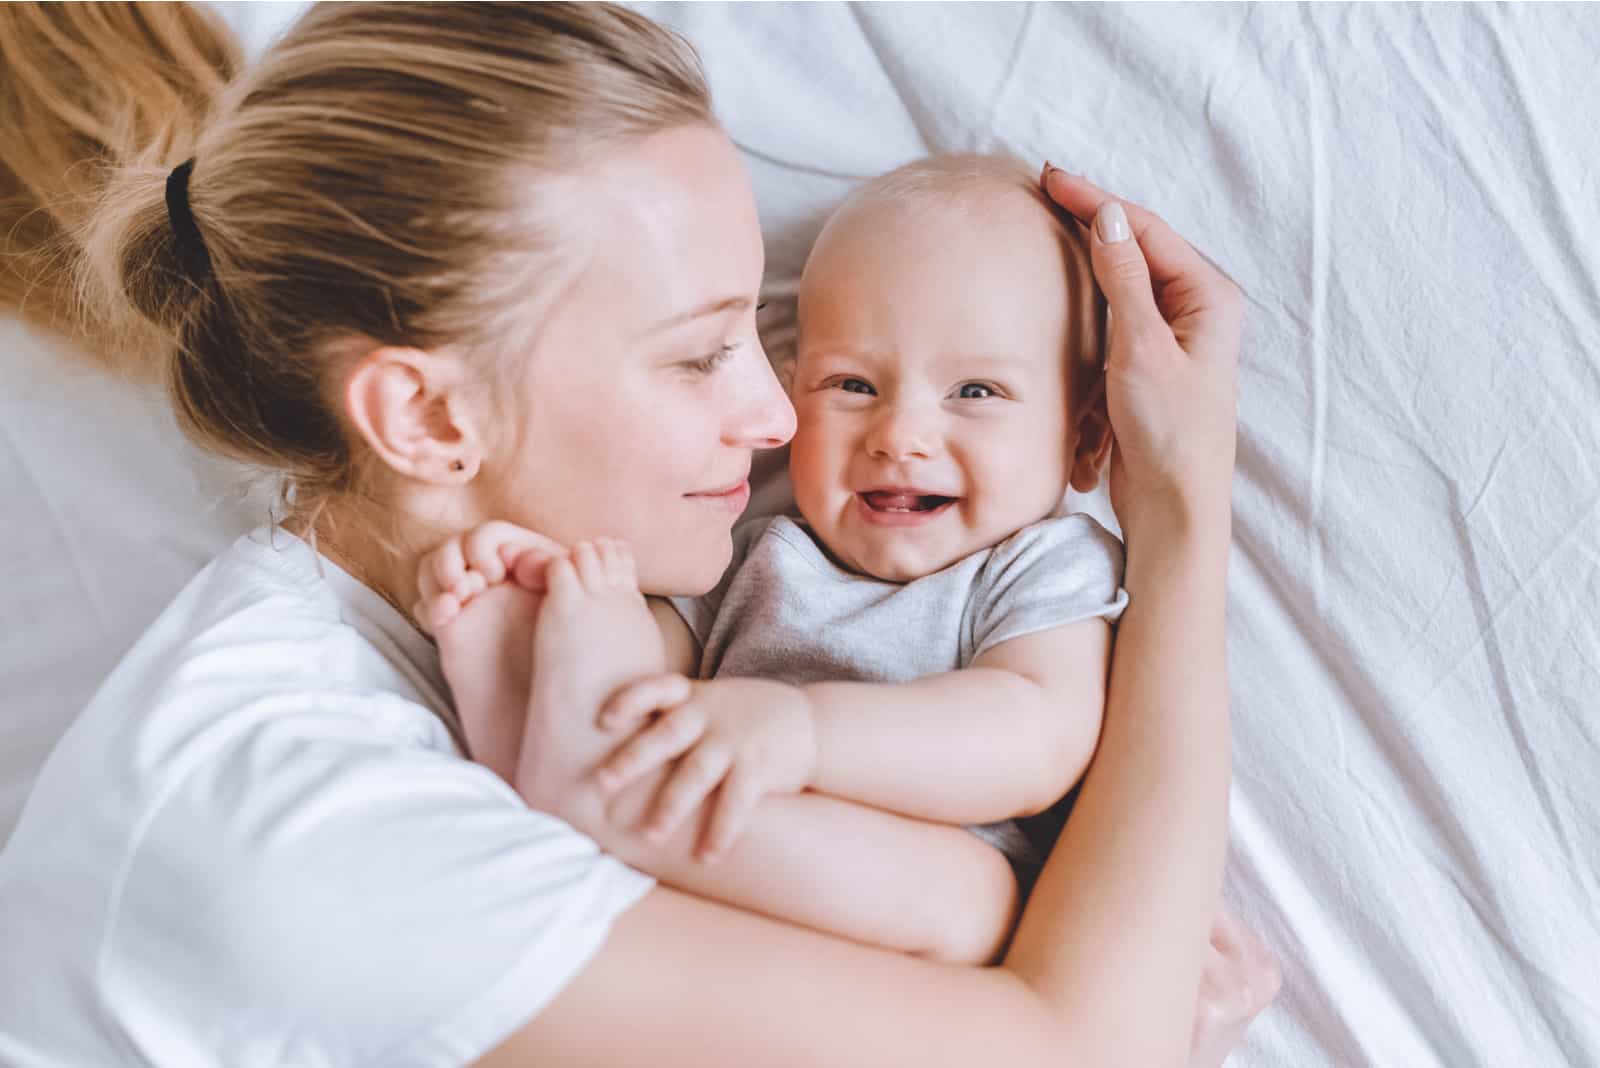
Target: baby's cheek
x,y
811,470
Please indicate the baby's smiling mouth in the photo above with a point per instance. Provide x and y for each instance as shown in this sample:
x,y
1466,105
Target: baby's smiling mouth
x,y
904,500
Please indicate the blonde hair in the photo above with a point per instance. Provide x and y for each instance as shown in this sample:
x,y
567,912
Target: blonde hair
x,y
85,89
382,176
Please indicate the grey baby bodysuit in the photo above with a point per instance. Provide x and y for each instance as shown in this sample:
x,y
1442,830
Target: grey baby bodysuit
x,y
785,611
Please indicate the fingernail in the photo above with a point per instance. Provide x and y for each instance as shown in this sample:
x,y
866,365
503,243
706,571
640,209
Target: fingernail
x,y
1112,223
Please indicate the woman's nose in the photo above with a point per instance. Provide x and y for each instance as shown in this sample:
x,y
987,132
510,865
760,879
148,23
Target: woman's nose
x,y
902,434
763,417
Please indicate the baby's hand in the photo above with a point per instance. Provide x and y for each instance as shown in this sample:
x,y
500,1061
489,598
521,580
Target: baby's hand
x,y
751,737
470,562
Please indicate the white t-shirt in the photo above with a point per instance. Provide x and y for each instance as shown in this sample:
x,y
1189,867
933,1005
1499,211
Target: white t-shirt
x,y
258,845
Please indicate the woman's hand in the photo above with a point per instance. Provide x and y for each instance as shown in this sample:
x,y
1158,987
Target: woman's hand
x,y
744,738
1172,360
1240,978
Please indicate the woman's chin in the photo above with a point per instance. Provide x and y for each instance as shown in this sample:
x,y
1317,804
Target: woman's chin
x,y
683,575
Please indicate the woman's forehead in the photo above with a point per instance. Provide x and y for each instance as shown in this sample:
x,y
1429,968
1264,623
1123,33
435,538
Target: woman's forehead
x,y
674,230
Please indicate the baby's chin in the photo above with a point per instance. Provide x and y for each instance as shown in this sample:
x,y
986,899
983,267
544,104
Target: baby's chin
x,y
898,563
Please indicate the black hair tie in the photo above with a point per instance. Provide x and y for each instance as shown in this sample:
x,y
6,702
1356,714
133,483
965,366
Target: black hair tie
x,y
191,246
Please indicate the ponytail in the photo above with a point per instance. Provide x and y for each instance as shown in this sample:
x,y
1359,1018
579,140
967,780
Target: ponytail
x,y
89,92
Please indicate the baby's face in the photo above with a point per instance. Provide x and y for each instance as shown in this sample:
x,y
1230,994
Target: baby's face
x,y
931,384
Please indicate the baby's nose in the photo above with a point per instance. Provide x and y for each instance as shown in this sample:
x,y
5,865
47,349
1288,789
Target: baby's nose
x,y
903,435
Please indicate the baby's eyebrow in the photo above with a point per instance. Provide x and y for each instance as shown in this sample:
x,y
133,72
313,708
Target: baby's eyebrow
x,y
986,361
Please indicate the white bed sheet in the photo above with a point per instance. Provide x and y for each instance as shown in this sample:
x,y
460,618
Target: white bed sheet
x,y
1408,196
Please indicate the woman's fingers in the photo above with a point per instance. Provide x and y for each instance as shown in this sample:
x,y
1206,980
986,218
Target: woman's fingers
x,y
1227,931
667,738
1123,274
1169,255
635,702
689,784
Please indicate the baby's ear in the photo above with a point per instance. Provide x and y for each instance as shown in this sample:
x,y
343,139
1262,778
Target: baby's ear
x,y
1093,438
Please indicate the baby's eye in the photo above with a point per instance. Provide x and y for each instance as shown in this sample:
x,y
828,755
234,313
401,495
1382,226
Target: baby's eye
x,y
854,385
976,391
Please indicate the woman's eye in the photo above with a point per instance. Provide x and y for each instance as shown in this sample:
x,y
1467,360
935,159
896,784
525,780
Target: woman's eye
x,y
976,391
708,363
854,385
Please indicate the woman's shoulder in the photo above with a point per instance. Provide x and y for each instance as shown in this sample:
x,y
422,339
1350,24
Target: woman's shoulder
x,y
261,827
268,625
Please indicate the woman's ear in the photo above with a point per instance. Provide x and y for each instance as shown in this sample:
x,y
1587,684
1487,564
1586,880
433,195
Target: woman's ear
x,y
1092,437
408,406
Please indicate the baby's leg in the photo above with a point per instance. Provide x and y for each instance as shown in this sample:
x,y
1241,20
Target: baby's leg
x,y
480,593
594,634
486,653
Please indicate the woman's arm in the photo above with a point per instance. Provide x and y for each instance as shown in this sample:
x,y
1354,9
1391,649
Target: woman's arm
x,y
685,983
1005,737
831,865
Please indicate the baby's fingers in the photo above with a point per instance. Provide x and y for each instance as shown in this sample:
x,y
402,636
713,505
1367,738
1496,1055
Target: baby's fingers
x,y
690,783
736,800
633,703
665,739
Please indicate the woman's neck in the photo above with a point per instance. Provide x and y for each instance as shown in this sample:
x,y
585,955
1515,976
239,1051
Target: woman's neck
x,y
388,569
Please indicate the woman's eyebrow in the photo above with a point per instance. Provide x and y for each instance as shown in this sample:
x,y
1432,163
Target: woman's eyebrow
x,y
710,308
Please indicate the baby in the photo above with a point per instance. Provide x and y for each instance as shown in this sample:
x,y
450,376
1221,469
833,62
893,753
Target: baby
x,y
946,385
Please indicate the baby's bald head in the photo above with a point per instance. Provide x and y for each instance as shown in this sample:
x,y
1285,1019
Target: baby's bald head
x,y
990,201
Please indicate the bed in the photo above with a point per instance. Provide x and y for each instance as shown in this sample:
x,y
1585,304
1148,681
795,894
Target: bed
x,y
1408,197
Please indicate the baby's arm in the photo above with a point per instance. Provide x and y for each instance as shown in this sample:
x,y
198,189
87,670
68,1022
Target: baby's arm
x,y
1005,737
829,864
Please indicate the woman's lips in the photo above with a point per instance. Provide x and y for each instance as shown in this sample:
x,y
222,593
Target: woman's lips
x,y
732,499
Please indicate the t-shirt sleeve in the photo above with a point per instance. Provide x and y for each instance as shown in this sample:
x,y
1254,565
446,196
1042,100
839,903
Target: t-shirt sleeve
x,y
319,896
700,613
1054,573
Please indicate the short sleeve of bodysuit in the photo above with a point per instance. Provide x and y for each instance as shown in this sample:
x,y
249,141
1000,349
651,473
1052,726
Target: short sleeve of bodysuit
x,y
1051,574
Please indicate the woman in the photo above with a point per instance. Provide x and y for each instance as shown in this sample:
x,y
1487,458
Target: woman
x,y
438,264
